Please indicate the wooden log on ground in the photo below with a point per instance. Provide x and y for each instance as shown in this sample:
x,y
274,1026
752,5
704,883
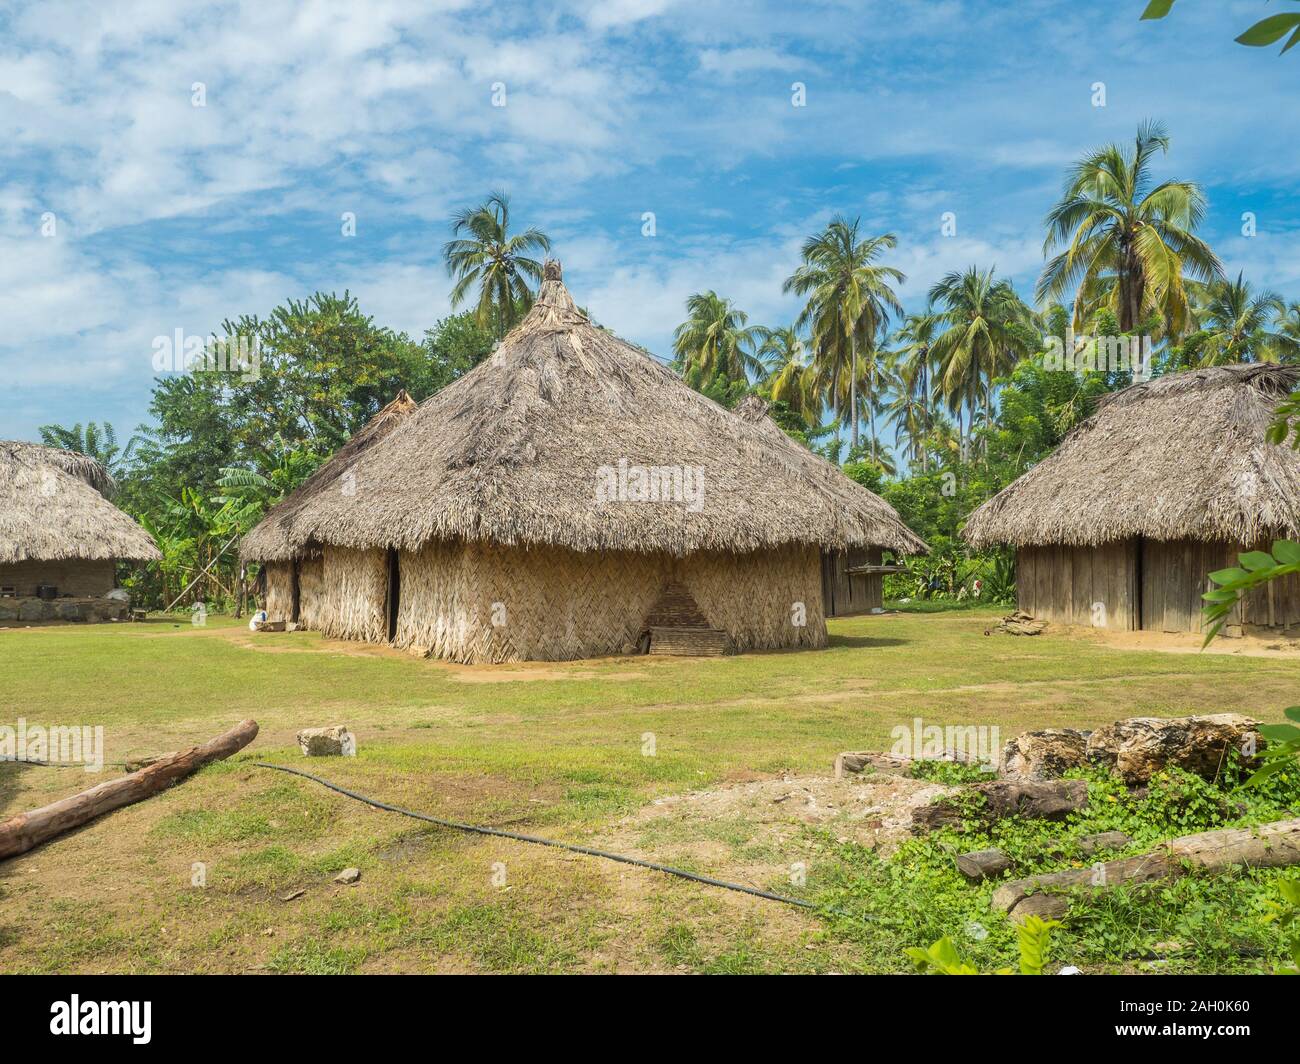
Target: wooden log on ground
x,y
1266,846
20,833
1036,799
981,864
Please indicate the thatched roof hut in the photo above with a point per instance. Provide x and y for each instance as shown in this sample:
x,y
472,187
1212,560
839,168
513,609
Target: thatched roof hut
x,y
852,574
1167,481
57,527
541,506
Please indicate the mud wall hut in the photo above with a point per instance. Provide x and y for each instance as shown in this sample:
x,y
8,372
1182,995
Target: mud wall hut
x,y
570,497
60,536
1168,481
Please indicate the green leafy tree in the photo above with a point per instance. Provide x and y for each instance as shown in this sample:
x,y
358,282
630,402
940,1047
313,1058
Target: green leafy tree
x,y
789,374
716,343
984,328
849,299
485,258
1237,324
1128,244
97,441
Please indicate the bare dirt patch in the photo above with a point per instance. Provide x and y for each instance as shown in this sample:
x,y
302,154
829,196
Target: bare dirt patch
x,y
1246,646
753,832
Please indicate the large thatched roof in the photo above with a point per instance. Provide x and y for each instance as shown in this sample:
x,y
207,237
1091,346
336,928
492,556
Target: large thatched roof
x,y
546,442
272,539
52,507
1179,457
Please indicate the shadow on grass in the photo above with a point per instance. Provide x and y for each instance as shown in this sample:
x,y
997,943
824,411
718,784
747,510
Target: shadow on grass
x,y
866,641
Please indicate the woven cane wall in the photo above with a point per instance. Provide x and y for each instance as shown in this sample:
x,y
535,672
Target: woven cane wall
x,y
551,604
279,591
759,598
484,603
355,592
312,599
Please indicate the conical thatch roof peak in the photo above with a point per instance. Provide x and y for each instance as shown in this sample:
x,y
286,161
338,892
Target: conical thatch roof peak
x,y
569,436
1183,456
53,507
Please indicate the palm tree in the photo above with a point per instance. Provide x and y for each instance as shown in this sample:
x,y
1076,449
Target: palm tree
x,y
849,299
1127,245
985,330
790,378
97,441
916,337
1235,321
1286,333
907,411
486,255
715,340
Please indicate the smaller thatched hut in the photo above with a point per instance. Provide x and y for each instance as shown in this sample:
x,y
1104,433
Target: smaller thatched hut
x,y
1167,482
853,576
60,537
294,584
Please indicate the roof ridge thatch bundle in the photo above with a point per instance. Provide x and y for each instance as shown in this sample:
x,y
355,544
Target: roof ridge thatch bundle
x,y
272,538
53,507
568,436
1180,457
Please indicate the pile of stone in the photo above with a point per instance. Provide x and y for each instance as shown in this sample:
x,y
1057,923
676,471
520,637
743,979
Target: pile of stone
x,y
1135,749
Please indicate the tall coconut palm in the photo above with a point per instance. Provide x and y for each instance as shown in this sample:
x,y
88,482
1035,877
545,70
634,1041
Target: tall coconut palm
x,y
487,256
1127,245
985,329
790,378
908,410
1237,323
715,340
849,299
916,339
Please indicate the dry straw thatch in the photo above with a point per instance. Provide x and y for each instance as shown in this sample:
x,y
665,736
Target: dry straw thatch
x,y
53,507
271,539
514,452
1180,457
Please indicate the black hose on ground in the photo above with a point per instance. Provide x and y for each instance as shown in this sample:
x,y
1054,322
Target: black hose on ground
x,y
535,840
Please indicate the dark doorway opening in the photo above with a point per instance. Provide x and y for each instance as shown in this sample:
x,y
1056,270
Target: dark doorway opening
x,y
394,591
297,594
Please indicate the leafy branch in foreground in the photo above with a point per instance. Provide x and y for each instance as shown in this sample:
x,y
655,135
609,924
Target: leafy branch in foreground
x,y
1034,937
1254,567
1265,32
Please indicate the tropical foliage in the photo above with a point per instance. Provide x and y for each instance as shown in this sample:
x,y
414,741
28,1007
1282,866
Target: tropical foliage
x,y
956,395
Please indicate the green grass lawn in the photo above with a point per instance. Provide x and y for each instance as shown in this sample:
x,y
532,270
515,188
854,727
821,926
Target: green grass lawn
x,y
554,749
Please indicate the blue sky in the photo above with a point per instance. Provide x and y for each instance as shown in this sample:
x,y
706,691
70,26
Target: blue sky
x,y
170,216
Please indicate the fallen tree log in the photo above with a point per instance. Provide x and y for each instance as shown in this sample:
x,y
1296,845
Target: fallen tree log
x,y
1036,799
20,833
1266,846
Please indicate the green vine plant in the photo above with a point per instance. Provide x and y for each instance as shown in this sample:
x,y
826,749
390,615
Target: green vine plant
x,y
1034,937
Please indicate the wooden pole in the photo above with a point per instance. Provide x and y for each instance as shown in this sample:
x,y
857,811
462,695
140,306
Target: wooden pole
x,y
26,830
